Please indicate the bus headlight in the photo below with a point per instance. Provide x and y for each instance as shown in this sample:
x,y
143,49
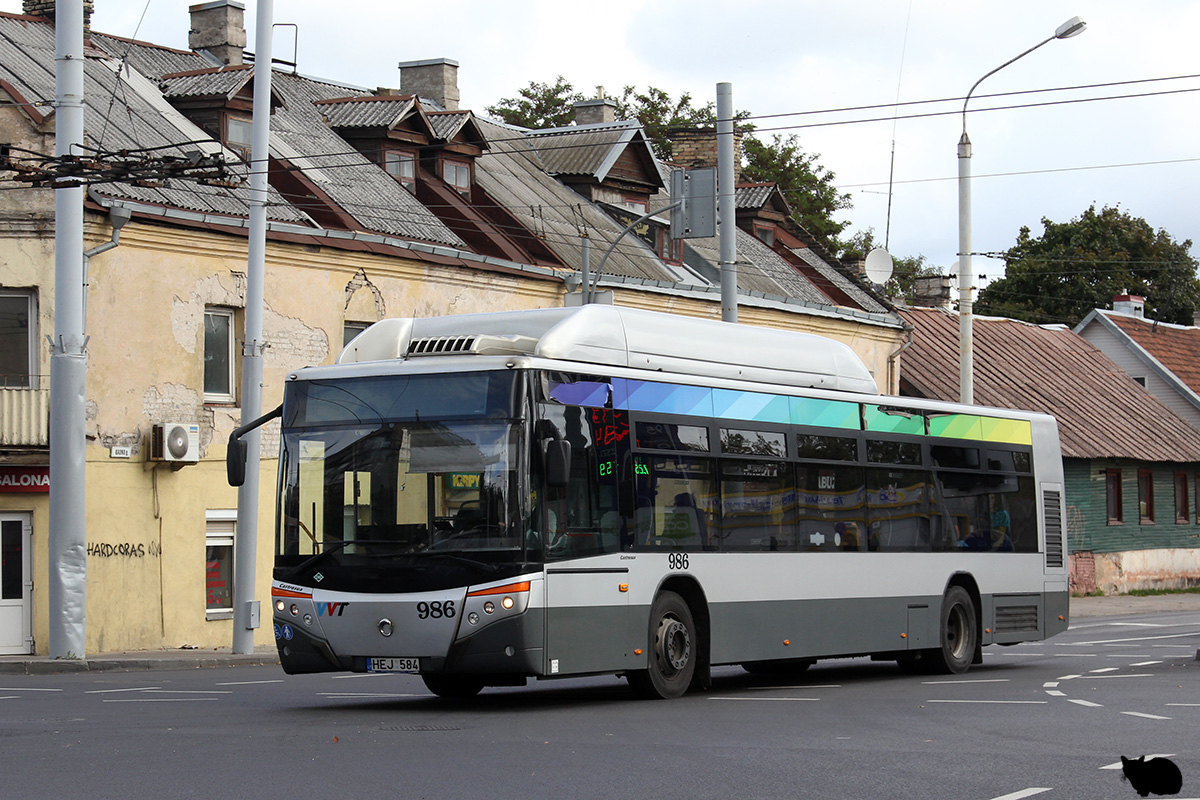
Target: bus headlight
x,y
295,610
280,606
489,607
507,602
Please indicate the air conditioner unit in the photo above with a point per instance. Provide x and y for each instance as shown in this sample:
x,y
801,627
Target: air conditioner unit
x,y
175,441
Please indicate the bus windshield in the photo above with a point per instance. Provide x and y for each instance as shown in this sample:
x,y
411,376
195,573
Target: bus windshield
x,y
375,477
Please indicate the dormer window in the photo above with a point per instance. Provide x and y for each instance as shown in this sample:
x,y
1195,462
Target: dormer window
x,y
458,175
765,233
402,165
239,135
669,250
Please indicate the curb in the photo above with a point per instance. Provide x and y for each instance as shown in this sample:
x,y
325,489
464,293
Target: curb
x,y
45,666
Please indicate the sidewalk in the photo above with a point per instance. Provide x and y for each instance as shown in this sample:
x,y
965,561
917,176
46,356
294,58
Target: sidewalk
x,y
1081,608
139,660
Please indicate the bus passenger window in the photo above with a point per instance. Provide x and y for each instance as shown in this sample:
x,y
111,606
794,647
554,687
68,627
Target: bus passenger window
x,y
676,502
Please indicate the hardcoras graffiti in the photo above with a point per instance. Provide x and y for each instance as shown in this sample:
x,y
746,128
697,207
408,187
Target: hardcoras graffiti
x,y
123,550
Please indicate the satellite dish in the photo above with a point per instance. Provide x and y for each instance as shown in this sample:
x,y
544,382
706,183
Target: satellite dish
x,y
879,266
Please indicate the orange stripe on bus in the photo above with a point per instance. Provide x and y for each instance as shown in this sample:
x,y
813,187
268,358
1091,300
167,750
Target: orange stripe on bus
x,y
509,589
277,592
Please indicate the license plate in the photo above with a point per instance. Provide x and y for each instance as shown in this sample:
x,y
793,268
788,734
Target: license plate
x,y
393,665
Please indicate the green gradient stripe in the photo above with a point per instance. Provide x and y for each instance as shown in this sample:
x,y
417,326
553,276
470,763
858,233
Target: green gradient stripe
x,y
983,429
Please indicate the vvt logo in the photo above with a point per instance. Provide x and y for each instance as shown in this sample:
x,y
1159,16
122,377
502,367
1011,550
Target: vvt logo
x,y
331,609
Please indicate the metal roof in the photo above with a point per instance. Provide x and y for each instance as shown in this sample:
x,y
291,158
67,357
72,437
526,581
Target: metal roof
x,y
584,149
1102,412
222,82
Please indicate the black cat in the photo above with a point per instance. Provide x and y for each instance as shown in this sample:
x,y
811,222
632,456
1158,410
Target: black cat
x,y
1158,775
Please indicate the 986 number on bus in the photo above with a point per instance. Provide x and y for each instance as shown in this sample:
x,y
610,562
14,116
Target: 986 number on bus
x,y
677,560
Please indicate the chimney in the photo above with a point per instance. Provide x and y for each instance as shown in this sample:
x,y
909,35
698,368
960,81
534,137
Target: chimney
x,y
599,110
693,148
1130,304
45,8
219,28
434,79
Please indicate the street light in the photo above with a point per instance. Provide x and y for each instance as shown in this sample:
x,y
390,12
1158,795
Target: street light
x,y
966,276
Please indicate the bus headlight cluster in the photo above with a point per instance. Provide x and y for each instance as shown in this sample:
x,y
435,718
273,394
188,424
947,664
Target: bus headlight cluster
x,y
280,606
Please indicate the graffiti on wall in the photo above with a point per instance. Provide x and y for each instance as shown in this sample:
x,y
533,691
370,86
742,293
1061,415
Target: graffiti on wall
x,y
123,550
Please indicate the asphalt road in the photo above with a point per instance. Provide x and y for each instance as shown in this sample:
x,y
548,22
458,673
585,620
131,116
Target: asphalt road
x,y
1047,720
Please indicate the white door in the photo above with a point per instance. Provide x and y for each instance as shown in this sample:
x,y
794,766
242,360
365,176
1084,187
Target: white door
x,y
16,585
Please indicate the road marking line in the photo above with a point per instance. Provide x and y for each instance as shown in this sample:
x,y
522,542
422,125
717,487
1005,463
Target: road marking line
x,y
133,689
191,691
995,702
160,700
976,680
1185,705
1074,655
1188,646
1087,703
10,697
1145,663
1151,755
246,683
770,699
1055,693
1049,684
18,689
1068,677
1130,675
1136,639
359,695
1104,669
1144,716
1023,793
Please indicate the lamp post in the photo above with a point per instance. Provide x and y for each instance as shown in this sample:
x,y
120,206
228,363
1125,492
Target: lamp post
x,y
966,275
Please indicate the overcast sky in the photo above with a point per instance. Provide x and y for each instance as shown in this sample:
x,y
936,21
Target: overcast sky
x,y
815,55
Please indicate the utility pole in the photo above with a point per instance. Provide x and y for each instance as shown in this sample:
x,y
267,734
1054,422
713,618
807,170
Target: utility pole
x,y
67,540
727,201
245,607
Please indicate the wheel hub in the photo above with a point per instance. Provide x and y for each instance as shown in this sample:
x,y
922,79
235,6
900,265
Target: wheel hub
x,y
674,643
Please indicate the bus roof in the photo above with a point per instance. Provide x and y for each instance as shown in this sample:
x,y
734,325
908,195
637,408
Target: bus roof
x,y
603,335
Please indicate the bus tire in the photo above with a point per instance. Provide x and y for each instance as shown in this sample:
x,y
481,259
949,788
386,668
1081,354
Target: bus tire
x,y
674,650
958,633
452,687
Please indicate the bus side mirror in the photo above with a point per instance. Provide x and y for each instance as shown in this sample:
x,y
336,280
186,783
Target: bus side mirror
x,y
235,462
558,463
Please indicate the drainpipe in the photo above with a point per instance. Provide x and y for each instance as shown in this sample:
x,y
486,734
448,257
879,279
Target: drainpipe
x,y
894,358
117,216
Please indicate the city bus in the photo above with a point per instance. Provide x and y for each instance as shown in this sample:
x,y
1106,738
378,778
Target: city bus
x,y
488,498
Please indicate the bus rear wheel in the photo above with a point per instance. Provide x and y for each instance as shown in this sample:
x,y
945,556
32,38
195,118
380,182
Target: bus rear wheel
x,y
452,687
958,633
673,650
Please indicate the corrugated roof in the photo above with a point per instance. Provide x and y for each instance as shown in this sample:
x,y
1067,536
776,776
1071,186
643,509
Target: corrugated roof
x,y
366,112
1176,347
1101,411
583,149
447,124
221,82
835,277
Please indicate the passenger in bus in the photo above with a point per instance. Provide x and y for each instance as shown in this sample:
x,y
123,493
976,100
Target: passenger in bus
x,y
846,535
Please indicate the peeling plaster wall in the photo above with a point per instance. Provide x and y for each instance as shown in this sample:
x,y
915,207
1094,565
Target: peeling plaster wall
x,y
146,520
1173,568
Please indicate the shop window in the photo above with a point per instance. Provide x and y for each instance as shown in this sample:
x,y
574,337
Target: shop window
x,y
1145,495
219,360
1113,498
18,353
219,531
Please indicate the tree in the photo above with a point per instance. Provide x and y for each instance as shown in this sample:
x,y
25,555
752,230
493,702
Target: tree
x,y
1077,266
539,105
905,269
807,186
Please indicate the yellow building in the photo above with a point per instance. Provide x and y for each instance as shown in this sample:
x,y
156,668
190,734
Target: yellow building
x,y
382,205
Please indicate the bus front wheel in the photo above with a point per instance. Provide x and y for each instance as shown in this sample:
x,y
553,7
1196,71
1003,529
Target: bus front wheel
x,y
673,650
452,687
958,633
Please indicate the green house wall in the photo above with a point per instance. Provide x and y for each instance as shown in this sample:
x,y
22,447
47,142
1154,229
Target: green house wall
x,y
1088,527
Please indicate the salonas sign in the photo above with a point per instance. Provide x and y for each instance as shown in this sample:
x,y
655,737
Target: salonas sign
x,y
24,479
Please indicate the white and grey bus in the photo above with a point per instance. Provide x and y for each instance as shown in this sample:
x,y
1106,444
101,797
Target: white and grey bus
x,y
486,498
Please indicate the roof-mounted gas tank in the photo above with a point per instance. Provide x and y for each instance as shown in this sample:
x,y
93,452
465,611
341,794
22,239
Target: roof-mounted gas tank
x,y
623,337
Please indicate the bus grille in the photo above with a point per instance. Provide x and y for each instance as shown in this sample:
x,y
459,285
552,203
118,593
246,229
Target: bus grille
x,y
1052,505
1016,618
441,344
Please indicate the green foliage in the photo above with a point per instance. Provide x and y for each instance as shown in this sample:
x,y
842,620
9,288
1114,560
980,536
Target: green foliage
x,y
1077,266
807,186
539,105
906,269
